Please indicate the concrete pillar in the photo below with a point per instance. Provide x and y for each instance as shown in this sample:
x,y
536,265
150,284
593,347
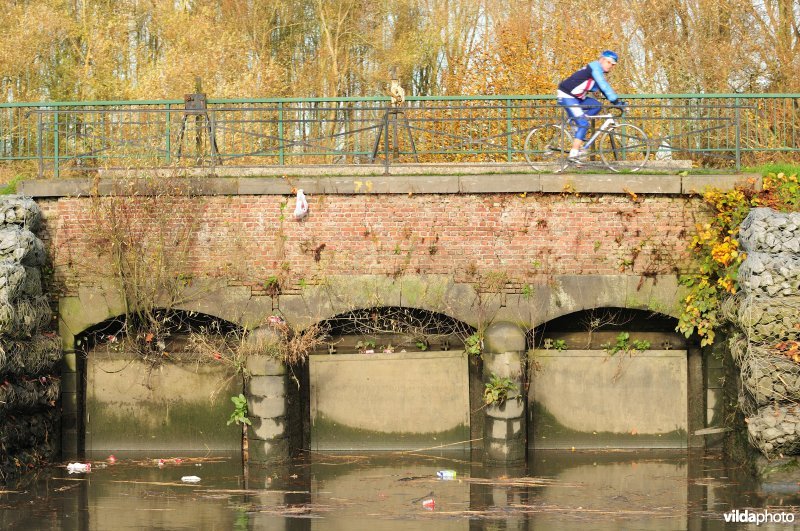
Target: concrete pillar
x,y
71,426
266,405
505,433
696,395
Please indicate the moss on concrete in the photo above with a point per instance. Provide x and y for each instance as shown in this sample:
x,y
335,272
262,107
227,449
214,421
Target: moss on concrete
x,y
174,425
329,435
547,432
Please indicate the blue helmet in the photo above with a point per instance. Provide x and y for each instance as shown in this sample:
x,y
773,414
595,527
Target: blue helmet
x,y
612,56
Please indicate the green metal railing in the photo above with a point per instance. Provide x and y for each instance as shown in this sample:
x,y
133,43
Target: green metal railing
x,y
711,129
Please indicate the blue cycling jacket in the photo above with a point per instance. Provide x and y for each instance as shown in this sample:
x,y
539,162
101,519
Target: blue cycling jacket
x,y
587,79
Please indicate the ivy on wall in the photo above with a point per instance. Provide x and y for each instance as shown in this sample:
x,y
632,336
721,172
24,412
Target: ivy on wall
x,y
716,252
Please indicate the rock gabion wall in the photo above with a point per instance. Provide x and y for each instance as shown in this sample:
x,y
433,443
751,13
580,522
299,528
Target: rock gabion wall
x,y
29,353
766,346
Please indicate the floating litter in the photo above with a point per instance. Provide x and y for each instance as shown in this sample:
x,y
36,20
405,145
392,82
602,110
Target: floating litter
x,y
77,468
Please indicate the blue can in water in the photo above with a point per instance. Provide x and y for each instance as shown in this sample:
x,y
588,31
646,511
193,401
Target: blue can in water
x,y
446,474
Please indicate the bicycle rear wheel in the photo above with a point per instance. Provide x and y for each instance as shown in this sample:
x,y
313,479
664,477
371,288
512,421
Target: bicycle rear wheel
x,y
624,147
546,148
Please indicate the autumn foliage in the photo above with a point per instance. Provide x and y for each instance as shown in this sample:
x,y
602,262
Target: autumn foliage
x,y
717,256
132,49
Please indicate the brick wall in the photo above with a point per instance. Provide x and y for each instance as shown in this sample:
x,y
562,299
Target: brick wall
x,y
247,239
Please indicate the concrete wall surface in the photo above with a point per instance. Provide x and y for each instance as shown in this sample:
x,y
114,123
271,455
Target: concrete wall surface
x,y
133,406
389,401
590,399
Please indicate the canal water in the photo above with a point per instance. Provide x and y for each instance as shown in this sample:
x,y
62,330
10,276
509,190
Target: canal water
x,y
609,490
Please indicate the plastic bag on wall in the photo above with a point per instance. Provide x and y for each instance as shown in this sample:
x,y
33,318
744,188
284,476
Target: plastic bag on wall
x,y
300,206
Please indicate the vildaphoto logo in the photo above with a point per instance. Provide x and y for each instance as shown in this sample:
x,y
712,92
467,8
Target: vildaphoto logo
x,y
758,517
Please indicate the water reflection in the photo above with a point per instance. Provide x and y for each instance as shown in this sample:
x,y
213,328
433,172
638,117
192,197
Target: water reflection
x,y
386,491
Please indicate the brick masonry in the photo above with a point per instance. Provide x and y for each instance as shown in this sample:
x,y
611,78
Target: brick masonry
x,y
247,239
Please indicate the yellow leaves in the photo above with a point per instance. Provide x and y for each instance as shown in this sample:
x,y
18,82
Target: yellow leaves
x,y
790,349
717,251
633,196
725,251
704,234
727,284
773,181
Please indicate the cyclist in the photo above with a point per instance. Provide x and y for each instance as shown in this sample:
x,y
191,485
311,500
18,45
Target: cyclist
x,y
572,95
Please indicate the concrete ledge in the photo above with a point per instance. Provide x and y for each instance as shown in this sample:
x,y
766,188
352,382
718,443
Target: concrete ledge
x,y
694,184
431,183
611,183
476,184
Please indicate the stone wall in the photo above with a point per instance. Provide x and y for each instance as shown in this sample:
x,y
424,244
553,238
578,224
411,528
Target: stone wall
x,y
29,354
766,343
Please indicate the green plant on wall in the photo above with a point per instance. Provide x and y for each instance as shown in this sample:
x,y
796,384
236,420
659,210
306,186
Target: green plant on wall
x,y
239,415
474,344
497,390
716,253
625,344
365,345
528,291
640,344
272,285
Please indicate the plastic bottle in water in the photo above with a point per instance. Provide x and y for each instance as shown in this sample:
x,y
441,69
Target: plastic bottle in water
x,y
446,474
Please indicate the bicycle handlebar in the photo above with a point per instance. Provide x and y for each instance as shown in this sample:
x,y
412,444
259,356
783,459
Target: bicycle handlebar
x,y
616,108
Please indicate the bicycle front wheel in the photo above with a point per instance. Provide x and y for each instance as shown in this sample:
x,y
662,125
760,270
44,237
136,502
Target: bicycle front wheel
x,y
547,147
624,147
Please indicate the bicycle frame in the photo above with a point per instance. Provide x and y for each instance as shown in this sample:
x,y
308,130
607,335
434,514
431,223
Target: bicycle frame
x,y
609,123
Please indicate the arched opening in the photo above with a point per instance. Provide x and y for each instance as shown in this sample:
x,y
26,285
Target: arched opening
x,y
391,378
157,388
609,378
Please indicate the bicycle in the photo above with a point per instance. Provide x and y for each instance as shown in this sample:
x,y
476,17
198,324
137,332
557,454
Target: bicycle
x,y
621,146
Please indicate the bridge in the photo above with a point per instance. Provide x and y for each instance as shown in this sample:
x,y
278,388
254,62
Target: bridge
x,y
508,256
429,213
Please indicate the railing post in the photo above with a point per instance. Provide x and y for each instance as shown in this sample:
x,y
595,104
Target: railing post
x,y
738,137
55,145
509,146
39,154
169,135
212,137
386,141
281,159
